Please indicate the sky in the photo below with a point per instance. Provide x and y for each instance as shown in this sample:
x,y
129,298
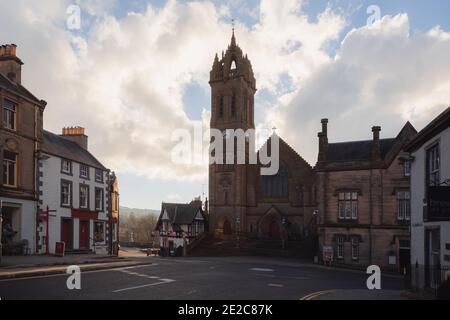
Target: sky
x,y
136,71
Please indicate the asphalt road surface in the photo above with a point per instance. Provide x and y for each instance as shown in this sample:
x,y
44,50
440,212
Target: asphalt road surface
x,y
232,278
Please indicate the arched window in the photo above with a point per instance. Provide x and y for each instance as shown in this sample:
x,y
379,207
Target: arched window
x,y
233,105
276,186
220,106
233,65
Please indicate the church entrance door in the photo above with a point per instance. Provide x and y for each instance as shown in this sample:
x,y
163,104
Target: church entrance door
x,y
227,228
274,230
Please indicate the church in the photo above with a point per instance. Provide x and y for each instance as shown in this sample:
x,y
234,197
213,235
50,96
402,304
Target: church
x,y
242,201
354,203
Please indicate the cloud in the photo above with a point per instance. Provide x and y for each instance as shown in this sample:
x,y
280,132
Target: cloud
x,y
123,79
382,75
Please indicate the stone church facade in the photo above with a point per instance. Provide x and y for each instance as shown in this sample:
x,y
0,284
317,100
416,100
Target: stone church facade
x,y
354,201
242,201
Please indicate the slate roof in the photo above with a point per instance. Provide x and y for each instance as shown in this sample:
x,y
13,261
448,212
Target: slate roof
x,y
56,145
19,90
180,214
357,150
436,126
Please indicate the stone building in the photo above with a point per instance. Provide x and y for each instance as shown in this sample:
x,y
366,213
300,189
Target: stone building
x,y
242,201
21,135
364,199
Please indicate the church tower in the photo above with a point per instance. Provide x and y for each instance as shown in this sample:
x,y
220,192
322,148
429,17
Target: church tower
x,y
233,87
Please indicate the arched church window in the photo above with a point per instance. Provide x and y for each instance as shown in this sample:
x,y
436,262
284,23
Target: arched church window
x,y
225,196
233,105
276,186
220,105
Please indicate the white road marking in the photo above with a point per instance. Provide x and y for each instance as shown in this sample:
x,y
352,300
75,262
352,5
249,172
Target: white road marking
x,y
262,269
141,275
144,286
63,274
275,285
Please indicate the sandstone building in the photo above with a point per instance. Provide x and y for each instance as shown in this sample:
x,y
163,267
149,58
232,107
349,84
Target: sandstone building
x,y
242,202
364,199
21,136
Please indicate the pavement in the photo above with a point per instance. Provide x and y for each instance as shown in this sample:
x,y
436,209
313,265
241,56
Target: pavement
x,y
38,265
206,278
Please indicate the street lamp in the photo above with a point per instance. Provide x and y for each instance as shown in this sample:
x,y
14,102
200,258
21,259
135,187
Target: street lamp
x,y
283,240
238,229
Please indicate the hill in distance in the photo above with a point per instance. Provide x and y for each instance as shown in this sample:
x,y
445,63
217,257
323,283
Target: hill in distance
x,y
138,212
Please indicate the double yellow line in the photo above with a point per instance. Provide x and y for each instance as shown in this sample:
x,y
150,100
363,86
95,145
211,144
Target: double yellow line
x,y
314,295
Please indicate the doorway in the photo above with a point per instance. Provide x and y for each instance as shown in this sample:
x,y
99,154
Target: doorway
x,y
432,257
84,234
67,233
274,230
404,254
227,228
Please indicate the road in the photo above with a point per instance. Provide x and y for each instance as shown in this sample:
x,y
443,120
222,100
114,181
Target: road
x,y
231,278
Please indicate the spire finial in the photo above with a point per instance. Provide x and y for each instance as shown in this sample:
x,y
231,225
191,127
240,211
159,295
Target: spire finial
x,y
233,38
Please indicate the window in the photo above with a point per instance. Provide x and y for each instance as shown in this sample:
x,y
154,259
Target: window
x,y
276,186
66,166
340,247
355,249
348,206
220,104
84,196
433,166
99,231
98,175
9,115
99,199
66,193
403,205
9,169
84,171
407,168
233,105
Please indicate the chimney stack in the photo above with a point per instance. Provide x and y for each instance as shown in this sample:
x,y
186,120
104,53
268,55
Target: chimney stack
x,y
376,147
10,64
76,134
323,141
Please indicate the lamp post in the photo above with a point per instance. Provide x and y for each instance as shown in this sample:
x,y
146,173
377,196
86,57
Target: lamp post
x,y
238,229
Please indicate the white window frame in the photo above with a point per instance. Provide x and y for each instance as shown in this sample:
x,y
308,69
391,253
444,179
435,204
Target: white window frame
x,y
403,205
84,171
348,205
68,194
86,198
100,208
65,169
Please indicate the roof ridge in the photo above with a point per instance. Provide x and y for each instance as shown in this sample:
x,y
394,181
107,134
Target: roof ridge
x,y
289,147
